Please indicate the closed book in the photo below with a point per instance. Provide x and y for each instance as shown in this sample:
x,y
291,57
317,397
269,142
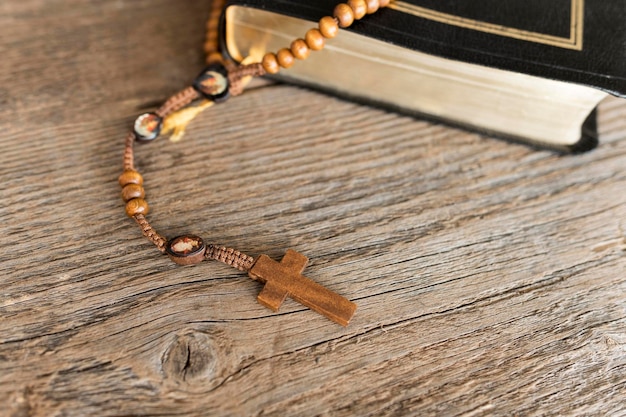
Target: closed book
x,y
529,70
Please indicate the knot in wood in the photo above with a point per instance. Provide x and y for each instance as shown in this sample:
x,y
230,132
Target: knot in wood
x,y
191,357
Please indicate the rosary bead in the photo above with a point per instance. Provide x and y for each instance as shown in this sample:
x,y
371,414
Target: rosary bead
x,y
359,7
186,250
299,49
270,63
315,40
130,177
328,27
137,206
148,127
285,58
344,15
372,6
132,191
213,83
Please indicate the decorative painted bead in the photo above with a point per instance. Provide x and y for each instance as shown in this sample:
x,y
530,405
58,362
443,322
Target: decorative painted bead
x,y
132,191
212,83
344,15
359,7
328,27
137,206
186,250
285,58
270,63
130,177
148,127
315,40
299,49
372,6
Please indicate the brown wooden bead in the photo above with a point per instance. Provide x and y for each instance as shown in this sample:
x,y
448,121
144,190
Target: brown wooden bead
x,y
270,63
359,7
137,206
344,15
130,177
132,191
329,27
299,49
384,3
372,6
285,58
315,40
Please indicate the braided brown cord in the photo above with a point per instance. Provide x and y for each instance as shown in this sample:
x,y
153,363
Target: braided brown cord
x,y
237,75
129,156
149,232
178,101
132,182
174,103
230,257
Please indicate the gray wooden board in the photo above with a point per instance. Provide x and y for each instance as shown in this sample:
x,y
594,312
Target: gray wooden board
x,y
490,277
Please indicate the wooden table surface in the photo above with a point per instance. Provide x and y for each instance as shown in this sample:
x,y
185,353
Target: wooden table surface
x,y
490,277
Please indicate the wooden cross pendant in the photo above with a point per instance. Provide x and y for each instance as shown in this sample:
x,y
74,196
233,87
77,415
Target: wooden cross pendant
x,y
285,279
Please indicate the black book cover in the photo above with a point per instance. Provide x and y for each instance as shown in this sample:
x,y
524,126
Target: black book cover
x,y
578,41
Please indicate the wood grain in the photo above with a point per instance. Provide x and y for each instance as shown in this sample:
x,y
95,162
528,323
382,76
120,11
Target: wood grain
x,y
490,277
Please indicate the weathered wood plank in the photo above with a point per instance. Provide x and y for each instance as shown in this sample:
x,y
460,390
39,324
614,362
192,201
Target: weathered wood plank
x,y
489,276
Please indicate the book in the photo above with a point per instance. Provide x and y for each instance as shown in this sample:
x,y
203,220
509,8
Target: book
x,y
526,70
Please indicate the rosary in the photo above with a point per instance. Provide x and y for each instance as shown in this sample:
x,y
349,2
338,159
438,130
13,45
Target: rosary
x,y
220,80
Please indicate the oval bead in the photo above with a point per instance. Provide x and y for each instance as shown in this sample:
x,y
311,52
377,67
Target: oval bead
x,y
137,206
285,58
186,250
300,49
372,6
130,177
344,14
270,63
213,83
148,127
315,40
359,7
132,191
328,27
